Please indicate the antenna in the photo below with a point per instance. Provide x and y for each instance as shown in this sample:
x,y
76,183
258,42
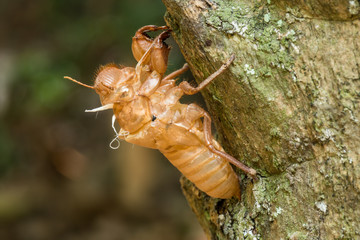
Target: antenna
x,y
80,83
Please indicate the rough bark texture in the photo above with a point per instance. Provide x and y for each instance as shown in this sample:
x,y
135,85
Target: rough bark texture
x,y
288,107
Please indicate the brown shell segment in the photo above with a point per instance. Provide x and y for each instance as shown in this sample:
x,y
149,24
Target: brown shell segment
x,y
209,172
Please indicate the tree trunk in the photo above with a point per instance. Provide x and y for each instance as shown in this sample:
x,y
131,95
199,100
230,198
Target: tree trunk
x,y
288,107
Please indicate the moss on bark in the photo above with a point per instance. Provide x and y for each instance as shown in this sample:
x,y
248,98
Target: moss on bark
x,y
288,107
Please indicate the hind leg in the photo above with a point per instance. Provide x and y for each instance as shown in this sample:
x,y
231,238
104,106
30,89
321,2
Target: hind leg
x,y
191,116
224,155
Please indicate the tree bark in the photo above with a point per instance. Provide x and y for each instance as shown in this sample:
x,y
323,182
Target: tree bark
x,y
288,107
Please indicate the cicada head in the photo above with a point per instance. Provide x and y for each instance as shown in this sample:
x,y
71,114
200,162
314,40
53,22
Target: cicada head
x,y
114,84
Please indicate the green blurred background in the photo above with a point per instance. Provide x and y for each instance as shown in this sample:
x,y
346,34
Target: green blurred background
x,y
59,179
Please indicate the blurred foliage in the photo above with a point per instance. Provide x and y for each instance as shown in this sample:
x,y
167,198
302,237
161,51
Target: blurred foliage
x,y
59,179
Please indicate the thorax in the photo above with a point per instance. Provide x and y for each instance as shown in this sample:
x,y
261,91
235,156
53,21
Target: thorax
x,y
134,114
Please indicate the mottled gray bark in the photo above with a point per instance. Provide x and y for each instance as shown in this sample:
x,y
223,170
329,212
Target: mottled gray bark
x,y
288,107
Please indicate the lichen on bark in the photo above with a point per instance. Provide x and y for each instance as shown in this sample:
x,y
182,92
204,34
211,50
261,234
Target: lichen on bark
x,y
288,107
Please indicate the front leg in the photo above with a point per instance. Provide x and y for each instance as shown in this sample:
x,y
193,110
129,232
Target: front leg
x,y
189,90
141,42
156,56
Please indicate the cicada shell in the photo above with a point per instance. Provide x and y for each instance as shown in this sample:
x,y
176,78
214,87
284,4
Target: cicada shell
x,y
146,106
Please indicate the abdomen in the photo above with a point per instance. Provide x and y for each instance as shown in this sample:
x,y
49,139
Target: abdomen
x,y
208,171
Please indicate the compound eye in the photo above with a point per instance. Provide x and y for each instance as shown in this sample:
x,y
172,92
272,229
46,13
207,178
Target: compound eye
x,y
106,80
108,77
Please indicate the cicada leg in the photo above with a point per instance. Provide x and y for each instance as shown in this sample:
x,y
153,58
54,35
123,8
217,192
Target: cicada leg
x,y
189,90
224,155
176,73
141,42
160,53
151,52
194,113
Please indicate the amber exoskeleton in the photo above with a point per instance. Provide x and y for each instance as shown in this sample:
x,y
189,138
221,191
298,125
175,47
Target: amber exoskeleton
x,y
147,108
